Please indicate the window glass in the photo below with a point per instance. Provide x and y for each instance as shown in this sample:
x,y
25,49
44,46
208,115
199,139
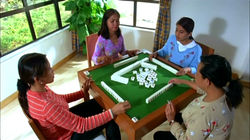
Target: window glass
x,y
125,8
64,14
8,5
44,20
32,2
15,32
147,14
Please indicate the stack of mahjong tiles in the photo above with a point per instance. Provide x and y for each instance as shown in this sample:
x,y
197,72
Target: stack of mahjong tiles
x,y
145,76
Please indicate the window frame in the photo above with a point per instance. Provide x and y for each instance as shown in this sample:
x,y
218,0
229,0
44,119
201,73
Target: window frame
x,y
26,10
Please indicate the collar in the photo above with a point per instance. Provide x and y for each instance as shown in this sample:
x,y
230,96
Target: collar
x,y
183,48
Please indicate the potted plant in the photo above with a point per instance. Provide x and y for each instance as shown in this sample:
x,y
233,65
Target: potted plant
x,y
86,16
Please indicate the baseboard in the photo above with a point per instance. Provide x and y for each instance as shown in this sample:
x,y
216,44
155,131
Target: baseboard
x,y
9,99
245,83
13,96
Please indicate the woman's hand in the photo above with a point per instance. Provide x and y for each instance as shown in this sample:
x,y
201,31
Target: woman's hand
x,y
170,111
183,71
176,81
105,59
85,88
120,108
132,52
153,55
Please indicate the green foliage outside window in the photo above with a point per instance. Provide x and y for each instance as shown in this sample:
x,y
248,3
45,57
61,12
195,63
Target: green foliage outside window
x,y
14,32
44,20
9,5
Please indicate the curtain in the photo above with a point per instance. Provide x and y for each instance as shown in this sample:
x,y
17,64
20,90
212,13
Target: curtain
x,y
163,25
75,41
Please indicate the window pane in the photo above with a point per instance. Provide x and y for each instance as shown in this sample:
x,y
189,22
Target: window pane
x,y
125,9
32,2
8,5
64,14
44,20
14,32
147,14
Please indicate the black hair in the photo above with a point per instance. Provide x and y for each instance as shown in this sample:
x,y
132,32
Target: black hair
x,y
218,70
29,66
187,23
104,31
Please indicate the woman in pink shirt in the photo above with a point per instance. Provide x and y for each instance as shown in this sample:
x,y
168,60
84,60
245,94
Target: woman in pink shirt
x,y
110,43
51,111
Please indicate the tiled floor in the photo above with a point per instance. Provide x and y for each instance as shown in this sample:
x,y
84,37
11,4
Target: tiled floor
x,y
14,125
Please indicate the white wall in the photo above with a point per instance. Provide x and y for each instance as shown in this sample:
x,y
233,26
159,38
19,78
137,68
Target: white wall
x,y
56,46
220,24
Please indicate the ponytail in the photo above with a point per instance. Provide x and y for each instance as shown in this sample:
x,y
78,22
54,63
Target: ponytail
x,y
22,88
234,93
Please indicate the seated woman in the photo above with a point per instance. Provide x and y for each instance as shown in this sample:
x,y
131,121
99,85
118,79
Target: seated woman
x,y
55,119
209,116
181,48
110,43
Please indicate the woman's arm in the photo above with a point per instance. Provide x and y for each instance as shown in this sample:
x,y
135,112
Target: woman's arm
x,y
163,52
181,81
197,129
99,53
83,93
195,62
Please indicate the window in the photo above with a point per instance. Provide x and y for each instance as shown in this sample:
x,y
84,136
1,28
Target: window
x,y
138,13
14,32
24,21
147,14
10,5
126,10
41,18
64,14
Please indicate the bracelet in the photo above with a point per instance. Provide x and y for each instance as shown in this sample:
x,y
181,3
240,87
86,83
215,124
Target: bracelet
x,y
171,122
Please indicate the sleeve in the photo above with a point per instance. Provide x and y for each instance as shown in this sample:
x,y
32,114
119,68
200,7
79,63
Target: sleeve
x,y
123,49
163,52
200,128
62,117
70,97
99,50
200,91
197,59
73,96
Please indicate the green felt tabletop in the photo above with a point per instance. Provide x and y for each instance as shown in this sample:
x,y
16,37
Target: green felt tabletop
x,y
136,94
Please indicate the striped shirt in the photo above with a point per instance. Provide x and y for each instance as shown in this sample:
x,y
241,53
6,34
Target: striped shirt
x,y
51,111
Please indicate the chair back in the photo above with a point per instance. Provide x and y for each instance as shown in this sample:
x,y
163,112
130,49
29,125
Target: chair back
x,y
205,49
34,126
90,45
